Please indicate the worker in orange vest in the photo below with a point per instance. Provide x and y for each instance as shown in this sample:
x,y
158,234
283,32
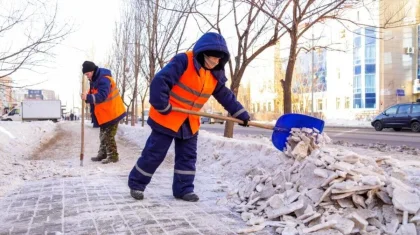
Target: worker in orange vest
x,y
107,109
187,82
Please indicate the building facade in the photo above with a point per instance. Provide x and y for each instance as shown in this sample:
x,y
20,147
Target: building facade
x,y
5,93
363,74
48,95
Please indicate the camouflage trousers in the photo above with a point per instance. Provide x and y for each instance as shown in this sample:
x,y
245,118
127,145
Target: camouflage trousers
x,y
108,146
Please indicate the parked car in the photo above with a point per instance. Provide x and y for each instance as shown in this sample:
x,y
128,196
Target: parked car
x,y
399,116
205,120
212,120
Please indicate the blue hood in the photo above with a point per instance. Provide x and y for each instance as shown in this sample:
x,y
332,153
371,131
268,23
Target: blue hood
x,y
101,72
215,42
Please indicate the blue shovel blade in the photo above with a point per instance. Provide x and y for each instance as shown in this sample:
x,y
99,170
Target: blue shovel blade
x,y
289,121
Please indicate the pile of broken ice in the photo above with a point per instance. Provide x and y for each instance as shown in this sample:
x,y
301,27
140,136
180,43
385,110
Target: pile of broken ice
x,y
327,193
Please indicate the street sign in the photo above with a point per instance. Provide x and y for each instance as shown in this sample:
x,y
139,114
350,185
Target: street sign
x,y
35,95
400,92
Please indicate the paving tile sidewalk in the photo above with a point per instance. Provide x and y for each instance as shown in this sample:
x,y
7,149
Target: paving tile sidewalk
x,y
102,205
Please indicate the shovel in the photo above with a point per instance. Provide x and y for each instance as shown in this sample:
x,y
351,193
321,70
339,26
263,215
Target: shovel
x,y
280,131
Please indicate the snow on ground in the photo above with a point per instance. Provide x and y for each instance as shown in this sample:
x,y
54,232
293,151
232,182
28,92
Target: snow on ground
x,y
337,122
37,150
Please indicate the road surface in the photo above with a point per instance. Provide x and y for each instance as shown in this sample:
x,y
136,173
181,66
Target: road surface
x,y
351,135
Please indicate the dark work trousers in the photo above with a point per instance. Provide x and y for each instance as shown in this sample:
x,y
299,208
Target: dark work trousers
x,y
154,153
108,146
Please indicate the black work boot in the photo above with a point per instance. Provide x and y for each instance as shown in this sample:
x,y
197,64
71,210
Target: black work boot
x,y
136,194
190,197
98,158
109,160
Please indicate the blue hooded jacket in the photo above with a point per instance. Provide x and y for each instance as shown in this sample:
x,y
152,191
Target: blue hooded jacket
x,y
169,75
103,85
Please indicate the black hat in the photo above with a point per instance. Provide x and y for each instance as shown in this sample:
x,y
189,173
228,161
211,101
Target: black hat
x,y
88,66
218,54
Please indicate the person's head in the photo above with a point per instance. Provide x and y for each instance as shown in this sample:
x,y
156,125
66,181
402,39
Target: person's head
x,y
88,69
211,58
211,51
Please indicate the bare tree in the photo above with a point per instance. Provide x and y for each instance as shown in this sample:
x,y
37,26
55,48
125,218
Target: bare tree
x,y
28,34
136,59
303,15
255,32
121,57
163,23
148,35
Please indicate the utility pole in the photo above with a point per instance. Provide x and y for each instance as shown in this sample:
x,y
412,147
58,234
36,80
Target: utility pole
x,y
312,77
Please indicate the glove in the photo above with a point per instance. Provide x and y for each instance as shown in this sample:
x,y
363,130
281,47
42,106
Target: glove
x,y
245,124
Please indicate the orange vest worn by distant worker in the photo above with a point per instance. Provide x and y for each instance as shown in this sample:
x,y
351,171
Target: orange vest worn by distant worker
x,y
191,92
112,107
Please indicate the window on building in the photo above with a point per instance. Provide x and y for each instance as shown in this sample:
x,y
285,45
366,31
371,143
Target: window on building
x,y
370,100
370,54
264,107
347,103
357,101
253,108
370,46
370,93
319,105
357,47
370,67
418,54
258,107
269,106
337,103
370,83
357,55
357,84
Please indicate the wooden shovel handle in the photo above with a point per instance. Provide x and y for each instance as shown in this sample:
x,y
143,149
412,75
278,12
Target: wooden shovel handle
x,y
210,115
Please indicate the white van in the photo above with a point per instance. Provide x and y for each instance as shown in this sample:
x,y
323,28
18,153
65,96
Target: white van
x,y
13,115
35,110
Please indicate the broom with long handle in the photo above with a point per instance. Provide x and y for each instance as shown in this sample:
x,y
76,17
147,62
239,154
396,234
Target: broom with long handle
x,y
82,138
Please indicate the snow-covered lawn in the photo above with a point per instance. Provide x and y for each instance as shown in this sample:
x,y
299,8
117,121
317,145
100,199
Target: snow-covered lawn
x,y
36,150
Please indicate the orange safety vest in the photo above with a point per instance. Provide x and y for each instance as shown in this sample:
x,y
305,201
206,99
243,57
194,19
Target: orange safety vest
x,y
191,92
112,107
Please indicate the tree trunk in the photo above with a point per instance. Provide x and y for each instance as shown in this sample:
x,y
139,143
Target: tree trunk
x,y
128,115
142,112
287,83
229,125
133,108
137,111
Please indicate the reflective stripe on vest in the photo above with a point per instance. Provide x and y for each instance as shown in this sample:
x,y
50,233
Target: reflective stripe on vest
x,y
112,107
191,92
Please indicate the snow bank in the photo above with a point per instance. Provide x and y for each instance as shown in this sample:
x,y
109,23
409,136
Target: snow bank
x,y
17,142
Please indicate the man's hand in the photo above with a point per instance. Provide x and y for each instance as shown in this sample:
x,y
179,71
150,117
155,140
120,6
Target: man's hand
x,y
83,96
245,124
